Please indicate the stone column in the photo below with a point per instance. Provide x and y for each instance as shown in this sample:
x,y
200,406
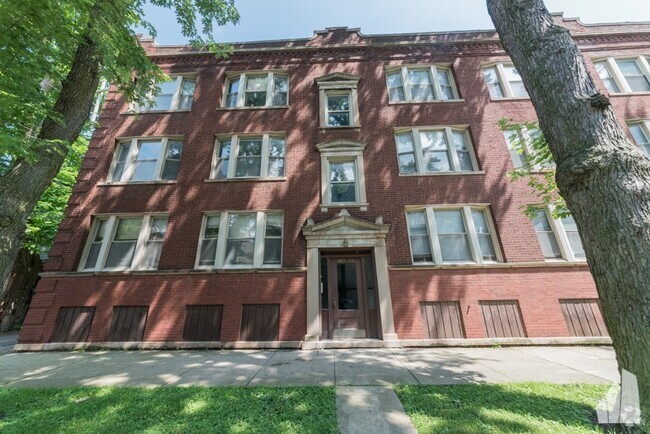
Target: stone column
x,y
313,296
383,292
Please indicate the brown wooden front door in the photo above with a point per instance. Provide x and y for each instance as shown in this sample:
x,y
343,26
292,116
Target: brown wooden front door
x,y
347,287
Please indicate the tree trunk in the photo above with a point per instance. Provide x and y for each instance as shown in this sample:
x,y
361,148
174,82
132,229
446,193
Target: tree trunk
x,y
19,290
603,177
21,188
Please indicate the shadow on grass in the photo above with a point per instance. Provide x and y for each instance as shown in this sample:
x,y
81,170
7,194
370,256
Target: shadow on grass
x,y
191,409
511,408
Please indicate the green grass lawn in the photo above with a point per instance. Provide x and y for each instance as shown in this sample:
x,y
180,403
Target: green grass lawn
x,y
169,410
505,408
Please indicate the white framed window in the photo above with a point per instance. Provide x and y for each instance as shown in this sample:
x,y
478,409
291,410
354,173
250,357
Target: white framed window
x,y
339,106
342,175
451,235
146,159
124,243
558,238
521,149
420,83
641,133
248,156
177,94
241,239
434,149
256,89
503,81
625,74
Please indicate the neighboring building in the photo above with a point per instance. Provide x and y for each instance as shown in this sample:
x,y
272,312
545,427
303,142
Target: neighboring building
x,y
342,186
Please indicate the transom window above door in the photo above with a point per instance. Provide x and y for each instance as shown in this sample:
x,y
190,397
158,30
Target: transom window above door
x,y
430,150
248,156
256,89
420,83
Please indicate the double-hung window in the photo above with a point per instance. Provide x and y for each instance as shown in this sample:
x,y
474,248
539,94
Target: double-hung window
x,y
433,150
558,238
257,89
241,240
124,243
641,134
244,156
451,235
624,75
144,159
504,81
342,177
521,146
177,94
339,106
420,83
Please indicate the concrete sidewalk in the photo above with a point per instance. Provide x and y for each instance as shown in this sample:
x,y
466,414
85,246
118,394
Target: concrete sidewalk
x,y
353,367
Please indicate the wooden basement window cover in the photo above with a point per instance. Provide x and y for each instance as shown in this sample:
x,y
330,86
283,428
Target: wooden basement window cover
x,y
203,323
127,324
260,322
442,320
73,324
583,317
502,319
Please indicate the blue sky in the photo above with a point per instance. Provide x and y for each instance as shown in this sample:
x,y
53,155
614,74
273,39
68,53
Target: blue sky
x,y
286,19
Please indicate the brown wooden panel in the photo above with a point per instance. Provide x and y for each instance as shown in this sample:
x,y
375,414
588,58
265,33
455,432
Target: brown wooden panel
x,y
202,323
502,319
442,320
260,322
127,324
583,317
73,324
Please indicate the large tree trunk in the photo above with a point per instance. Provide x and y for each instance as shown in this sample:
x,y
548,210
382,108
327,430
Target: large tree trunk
x,y
603,177
19,289
21,188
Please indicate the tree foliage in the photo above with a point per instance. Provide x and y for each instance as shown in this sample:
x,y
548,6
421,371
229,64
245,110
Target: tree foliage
x,y
538,167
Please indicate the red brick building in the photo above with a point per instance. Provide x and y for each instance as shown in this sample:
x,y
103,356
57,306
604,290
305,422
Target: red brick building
x,y
325,191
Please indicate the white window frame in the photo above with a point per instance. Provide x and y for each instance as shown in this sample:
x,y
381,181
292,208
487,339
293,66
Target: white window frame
x,y
617,75
560,236
501,76
433,75
645,129
129,165
234,152
241,93
173,105
111,227
338,84
528,148
342,151
468,221
222,240
451,152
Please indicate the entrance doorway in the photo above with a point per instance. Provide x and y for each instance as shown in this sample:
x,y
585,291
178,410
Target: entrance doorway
x,y
348,296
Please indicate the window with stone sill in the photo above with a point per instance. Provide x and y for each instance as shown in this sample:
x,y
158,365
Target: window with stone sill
x,y
503,81
241,240
641,133
339,106
624,75
451,235
256,89
146,159
558,238
176,94
434,150
342,176
420,83
249,156
119,243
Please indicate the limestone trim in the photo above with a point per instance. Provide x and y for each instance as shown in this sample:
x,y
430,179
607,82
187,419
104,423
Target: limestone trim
x,y
345,231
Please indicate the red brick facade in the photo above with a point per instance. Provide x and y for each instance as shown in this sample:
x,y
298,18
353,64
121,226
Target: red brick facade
x,y
523,274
